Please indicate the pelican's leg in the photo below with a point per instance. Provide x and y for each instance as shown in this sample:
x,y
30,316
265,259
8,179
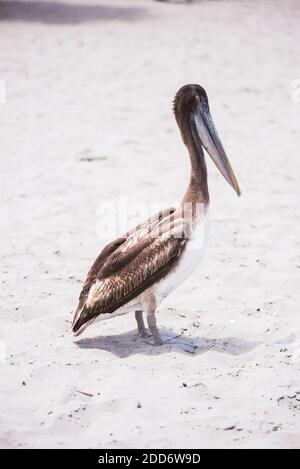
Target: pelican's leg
x,y
140,323
151,319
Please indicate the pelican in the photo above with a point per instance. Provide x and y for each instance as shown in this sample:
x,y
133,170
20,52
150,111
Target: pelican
x,y
137,271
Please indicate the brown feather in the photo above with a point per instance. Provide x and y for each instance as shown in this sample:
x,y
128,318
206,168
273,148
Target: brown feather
x,y
92,274
118,253
147,263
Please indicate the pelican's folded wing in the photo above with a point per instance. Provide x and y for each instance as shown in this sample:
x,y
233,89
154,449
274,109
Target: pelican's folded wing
x,y
131,238
130,270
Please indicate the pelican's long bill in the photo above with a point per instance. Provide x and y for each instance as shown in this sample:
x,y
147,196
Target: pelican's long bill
x,y
209,139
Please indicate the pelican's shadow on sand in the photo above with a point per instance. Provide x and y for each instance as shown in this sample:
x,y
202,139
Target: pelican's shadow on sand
x,y
127,344
67,13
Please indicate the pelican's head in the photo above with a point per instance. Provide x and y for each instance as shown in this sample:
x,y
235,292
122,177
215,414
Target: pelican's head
x,y
193,117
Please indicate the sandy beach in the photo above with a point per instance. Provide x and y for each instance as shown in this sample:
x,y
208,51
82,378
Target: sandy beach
x,y
87,118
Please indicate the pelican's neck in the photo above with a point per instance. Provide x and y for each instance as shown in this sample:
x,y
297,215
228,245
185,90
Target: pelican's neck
x,y
197,190
195,202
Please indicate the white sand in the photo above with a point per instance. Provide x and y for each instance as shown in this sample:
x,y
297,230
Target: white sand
x,y
99,83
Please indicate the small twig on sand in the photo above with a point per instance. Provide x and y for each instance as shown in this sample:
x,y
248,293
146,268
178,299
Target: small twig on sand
x,y
85,393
